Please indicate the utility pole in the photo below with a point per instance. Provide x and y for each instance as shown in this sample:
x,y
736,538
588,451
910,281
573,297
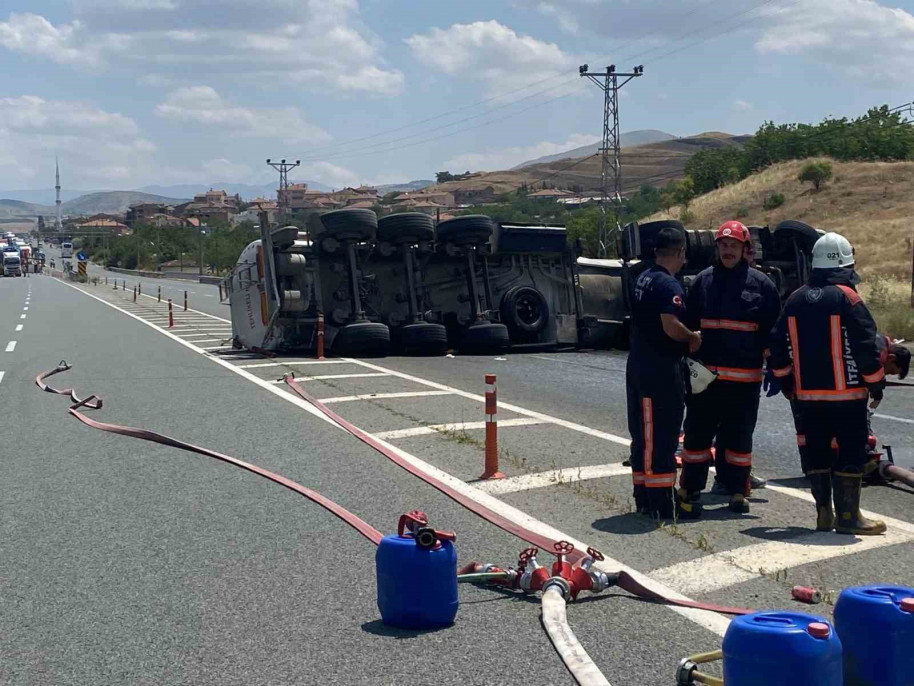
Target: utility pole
x,y
608,82
283,168
57,221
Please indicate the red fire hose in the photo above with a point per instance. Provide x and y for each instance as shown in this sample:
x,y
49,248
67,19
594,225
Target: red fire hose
x,y
624,581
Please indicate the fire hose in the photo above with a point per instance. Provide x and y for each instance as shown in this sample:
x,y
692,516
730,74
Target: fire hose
x,y
569,576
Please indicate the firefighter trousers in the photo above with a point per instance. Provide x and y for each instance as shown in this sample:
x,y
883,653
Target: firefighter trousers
x,y
844,422
655,395
727,411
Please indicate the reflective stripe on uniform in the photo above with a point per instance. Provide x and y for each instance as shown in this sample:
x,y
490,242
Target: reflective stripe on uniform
x,y
728,325
834,396
801,440
697,456
647,433
660,480
738,459
783,371
737,374
638,478
837,351
875,377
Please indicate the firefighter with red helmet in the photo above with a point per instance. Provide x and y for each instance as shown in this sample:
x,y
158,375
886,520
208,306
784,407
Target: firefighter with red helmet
x,y
735,306
829,359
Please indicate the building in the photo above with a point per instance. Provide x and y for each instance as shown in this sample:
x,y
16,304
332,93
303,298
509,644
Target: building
x,y
295,196
443,198
255,207
210,206
474,196
143,213
550,194
100,225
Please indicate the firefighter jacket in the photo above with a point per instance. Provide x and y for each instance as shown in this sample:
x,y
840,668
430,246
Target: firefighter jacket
x,y
735,310
826,339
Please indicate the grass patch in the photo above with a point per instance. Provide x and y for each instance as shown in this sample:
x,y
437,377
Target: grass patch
x,y
889,300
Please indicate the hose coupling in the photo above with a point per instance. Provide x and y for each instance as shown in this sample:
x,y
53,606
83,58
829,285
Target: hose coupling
x,y
685,672
561,585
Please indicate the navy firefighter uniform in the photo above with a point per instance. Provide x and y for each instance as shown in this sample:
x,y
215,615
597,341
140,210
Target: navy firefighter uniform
x,y
826,353
735,309
655,389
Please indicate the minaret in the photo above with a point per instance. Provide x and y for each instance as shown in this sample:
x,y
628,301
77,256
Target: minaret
x,y
57,224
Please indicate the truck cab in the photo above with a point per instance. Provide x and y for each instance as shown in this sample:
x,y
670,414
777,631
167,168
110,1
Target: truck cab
x,y
12,265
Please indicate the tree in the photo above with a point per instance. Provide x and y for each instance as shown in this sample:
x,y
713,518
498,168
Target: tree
x,y
684,191
815,173
441,177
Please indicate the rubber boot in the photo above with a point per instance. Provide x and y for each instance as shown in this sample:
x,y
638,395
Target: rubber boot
x,y
686,507
820,482
847,488
738,504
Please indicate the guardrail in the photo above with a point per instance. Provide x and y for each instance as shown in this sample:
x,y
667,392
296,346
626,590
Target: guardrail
x,y
168,275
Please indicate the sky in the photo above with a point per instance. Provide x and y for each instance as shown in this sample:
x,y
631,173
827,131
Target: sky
x,y
129,93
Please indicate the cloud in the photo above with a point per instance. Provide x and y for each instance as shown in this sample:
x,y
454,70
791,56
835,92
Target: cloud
x,y
329,174
316,43
490,52
742,105
203,105
31,34
105,147
860,38
505,158
563,16
222,169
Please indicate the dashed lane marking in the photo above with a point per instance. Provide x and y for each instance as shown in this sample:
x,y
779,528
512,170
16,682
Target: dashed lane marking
x,y
25,309
331,376
22,316
545,418
526,482
2,374
460,426
894,419
11,346
730,567
382,396
18,327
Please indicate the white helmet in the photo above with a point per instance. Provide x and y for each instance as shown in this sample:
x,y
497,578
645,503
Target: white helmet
x,y
832,250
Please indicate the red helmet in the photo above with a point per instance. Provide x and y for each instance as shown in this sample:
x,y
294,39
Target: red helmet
x,y
735,230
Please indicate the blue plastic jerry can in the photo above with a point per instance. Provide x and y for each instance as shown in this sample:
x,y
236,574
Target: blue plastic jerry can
x,y
781,649
876,626
417,579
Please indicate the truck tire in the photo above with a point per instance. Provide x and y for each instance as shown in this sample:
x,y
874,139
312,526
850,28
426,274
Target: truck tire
x,y
788,231
524,310
485,337
421,339
406,228
362,339
469,230
350,225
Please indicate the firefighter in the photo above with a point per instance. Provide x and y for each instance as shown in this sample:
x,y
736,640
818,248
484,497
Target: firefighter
x,y
826,354
735,306
655,383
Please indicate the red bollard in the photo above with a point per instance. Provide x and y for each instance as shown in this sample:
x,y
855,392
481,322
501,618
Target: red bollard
x,y
124,285
139,288
320,335
134,294
171,316
106,280
491,471
160,294
185,301
220,292
115,284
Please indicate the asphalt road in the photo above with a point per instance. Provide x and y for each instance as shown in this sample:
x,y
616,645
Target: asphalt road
x,y
127,562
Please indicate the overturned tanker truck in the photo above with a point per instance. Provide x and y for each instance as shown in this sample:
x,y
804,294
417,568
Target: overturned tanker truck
x,y
405,285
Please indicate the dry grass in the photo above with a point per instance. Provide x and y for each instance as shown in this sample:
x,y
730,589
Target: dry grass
x,y
870,203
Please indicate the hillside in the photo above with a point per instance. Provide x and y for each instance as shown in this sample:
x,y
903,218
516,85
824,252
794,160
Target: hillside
x,y
629,139
870,203
104,202
246,191
655,163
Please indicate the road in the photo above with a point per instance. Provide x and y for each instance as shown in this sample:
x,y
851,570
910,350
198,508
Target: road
x,y
127,562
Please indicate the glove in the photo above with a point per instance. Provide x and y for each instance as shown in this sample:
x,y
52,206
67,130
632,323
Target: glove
x,y
771,384
787,387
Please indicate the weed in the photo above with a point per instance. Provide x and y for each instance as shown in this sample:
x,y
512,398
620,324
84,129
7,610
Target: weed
x,y
773,201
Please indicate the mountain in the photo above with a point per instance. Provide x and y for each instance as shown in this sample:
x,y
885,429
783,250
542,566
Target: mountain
x,y
246,191
416,185
113,202
655,163
43,196
18,208
628,140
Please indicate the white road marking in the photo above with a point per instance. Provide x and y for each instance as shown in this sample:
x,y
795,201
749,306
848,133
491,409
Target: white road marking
x,y
11,346
216,347
190,309
894,419
22,316
330,376
721,570
2,374
526,482
544,418
382,396
459,426
18,327
283,364
205,340
712,621
25,309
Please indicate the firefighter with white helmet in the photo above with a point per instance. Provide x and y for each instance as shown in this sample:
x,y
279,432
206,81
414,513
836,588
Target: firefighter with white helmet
x,y
827,356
